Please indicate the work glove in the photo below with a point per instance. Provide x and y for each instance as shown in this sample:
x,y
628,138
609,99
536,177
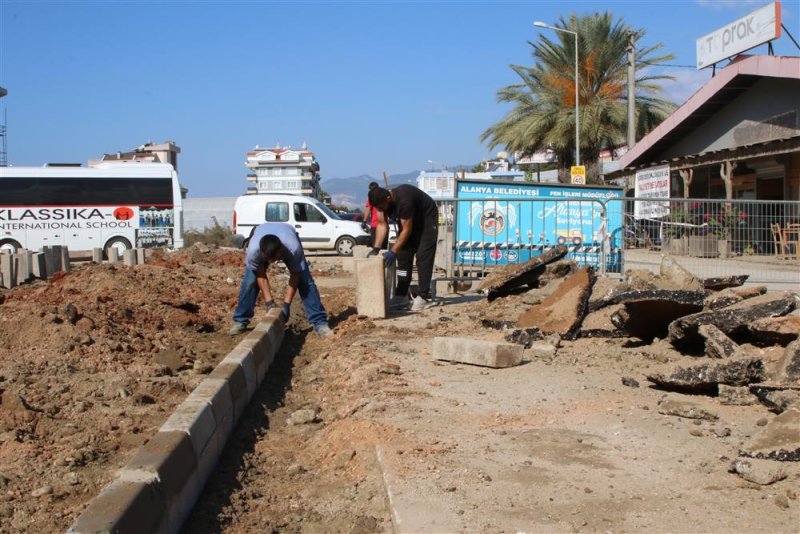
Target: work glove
x,y
373,252
269,305
285,311
389,258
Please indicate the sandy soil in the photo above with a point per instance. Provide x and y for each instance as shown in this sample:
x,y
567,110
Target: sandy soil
x,y
401,442
364,432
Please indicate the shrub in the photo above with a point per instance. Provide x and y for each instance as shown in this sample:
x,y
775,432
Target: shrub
x,y
216,235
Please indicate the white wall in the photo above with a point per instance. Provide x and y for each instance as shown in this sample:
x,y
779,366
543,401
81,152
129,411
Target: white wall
x,y
199,213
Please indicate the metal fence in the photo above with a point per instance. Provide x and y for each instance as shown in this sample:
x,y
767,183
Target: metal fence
x,y
708,237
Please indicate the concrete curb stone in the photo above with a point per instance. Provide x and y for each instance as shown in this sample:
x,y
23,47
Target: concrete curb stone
x,y
157,488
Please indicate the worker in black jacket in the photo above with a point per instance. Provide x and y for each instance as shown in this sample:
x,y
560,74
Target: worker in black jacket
x,y
418,218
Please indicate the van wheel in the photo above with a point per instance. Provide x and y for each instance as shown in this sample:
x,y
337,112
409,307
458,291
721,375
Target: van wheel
x,y
9,245
119,243
344,245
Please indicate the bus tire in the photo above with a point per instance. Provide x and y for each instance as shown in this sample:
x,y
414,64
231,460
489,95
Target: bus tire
x,y
10,245
120,243
344,245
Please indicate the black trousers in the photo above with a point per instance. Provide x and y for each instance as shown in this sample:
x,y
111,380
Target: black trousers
x,y
422,246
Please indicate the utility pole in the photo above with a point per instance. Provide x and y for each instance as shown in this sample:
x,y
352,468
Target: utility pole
x,y
631,89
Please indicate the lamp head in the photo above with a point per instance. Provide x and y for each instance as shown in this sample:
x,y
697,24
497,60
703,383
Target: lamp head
x,y
540,24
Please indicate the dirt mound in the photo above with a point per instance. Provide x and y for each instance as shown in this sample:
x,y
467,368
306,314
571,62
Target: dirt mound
x,y
91,363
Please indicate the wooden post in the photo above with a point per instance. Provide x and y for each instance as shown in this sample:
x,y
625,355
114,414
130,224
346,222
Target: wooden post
x,y
726,172
687,176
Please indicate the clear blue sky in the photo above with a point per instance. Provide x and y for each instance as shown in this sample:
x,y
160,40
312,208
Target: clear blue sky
x,y
370,86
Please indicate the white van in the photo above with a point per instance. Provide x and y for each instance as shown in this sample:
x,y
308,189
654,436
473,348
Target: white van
x,y
317,225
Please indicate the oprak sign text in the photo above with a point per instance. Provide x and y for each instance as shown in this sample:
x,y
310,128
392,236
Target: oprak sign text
x,y
757,28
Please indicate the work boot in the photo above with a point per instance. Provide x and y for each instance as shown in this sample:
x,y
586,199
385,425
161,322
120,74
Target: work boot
x,y
237,328
323,331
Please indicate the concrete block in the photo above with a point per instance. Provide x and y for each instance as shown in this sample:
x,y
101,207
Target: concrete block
x,y
347,264
58,259
66,266
233,373
129,257
39,265
218,395
195,417
125,508
23,266
97,255
361,251
140,256
244,357
113,255
181,507
270,332
370,287
169,456
7,268
477,352
50,264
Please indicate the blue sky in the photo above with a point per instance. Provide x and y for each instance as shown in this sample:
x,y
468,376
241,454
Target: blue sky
x,y
370,86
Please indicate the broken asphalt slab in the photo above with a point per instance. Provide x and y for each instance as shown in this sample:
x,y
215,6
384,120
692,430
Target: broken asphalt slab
x,y
779,440
562,312
504,280
717,284
648,313
718,345
704,377
732,319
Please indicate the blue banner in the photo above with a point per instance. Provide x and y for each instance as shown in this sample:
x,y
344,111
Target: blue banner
x,y
511,222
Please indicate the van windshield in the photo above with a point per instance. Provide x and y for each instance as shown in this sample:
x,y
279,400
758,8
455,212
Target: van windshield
x,y
327,211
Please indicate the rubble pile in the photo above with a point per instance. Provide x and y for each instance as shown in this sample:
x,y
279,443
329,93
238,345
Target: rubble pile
x,y
719,328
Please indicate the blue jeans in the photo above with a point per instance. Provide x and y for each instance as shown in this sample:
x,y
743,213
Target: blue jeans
x,y
248,294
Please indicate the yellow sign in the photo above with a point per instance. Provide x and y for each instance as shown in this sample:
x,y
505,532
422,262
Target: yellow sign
x,y
578,173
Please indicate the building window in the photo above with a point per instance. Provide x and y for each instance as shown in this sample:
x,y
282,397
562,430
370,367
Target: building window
x,y
293,184
277,184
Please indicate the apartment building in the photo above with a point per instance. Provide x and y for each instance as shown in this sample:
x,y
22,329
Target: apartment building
x,y
283,170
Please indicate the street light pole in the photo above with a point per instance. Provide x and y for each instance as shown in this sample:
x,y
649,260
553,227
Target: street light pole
x,y
540,24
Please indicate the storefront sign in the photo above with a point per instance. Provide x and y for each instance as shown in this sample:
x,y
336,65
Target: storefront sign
x,y
759,27
652,183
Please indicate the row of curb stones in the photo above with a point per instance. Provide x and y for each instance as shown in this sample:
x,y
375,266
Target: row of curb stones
x,y
157,489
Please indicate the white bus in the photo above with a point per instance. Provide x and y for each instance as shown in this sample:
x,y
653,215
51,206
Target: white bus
x,y
110,204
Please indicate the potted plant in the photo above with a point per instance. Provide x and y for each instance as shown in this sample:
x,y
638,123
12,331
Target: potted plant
x,y
675,234
724,223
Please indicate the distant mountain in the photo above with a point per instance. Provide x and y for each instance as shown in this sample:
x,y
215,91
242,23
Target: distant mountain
x,y
352,192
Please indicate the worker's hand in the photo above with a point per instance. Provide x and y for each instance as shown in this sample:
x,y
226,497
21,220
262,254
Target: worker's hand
x,y
373,252
285,311
389,258
269,305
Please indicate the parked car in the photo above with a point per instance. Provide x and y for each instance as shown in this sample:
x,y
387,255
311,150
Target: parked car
x,y
358,217
319,228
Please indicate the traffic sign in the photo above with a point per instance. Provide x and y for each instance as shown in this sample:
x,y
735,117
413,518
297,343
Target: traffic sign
x,y
578,173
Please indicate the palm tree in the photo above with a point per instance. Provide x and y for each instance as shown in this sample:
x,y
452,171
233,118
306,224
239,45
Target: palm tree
x,y
543,115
